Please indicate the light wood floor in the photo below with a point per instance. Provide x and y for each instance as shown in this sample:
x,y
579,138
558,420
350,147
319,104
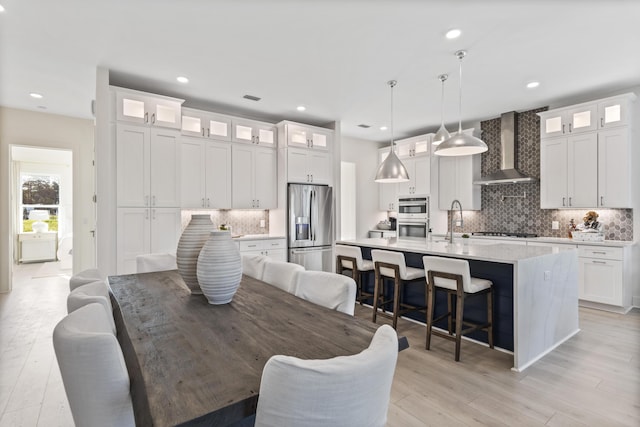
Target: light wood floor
x,y
591,380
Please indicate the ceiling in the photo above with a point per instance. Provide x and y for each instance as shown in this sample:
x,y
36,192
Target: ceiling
x,y
334,57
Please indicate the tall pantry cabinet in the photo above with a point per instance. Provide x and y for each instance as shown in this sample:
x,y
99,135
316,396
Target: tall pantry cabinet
x,y
147,143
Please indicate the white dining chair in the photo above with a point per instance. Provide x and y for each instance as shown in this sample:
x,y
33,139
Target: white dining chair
x,y
93,370
349,391
281,274
253,265
96,292
330,290
89,275
148,263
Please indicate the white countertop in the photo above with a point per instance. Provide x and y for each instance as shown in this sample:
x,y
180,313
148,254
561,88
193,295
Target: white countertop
x,y
500,252
257,237
559,240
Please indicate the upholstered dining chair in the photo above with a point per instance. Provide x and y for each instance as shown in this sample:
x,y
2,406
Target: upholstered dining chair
x,y
343,391
96,292
281,274
330,290
89,275
253,265
148,263
93,370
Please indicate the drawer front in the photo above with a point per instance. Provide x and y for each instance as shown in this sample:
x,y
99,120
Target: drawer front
x,y
259,245
601,252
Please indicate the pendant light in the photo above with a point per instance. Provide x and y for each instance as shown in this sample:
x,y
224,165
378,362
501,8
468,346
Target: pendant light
x,y
391,170
442,133
461,144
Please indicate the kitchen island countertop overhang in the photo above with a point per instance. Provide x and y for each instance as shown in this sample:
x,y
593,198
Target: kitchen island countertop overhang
x,y
536,289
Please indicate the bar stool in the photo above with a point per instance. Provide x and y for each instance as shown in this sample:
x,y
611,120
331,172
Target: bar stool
x,y
350,258
453,277
392,265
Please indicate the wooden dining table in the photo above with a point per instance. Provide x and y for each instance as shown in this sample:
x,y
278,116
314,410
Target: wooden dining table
x,y
191,363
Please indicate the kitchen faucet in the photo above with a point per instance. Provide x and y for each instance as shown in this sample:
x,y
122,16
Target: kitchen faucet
x,y
452,205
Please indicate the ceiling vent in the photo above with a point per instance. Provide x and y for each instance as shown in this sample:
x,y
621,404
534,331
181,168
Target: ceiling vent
x,y
252,98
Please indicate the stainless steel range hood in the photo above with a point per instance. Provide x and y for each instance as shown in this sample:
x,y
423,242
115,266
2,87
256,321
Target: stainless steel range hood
x,y
507,173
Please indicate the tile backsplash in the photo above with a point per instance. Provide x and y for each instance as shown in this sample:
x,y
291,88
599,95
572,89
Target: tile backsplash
x,y
242,221
516,207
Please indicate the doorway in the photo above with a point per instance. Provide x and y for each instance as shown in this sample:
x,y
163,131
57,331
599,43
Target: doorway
x,y
42,210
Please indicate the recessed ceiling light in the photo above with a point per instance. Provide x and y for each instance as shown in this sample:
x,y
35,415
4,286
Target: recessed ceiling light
x,y
453,34
1,8
383,128
35,95
531,85
182,79
301,108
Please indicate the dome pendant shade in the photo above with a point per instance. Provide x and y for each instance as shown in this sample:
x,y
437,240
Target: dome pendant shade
x,y
442,133
461,144
392,170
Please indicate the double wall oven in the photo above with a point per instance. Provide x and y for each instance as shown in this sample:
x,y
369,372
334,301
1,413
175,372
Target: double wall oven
x,y
413,216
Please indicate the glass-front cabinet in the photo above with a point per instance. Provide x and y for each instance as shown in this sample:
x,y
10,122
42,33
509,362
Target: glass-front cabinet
x,y
147,109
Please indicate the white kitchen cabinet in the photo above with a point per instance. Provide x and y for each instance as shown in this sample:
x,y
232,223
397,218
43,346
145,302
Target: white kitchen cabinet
x,y
456,175
205,174
414,146
147,109
142,231
38,247
309,166
586,170
419,170
600,274
305,136
589,116
253,177
254,132
206,125
148,167
275,249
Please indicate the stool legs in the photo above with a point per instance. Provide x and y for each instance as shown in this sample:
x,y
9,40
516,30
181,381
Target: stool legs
x,y
490,316
431,297
396,300
459,312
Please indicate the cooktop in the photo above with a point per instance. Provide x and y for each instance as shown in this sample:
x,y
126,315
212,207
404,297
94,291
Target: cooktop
x,y
502,234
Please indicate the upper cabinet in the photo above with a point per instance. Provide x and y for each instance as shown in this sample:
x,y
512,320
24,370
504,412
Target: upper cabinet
x,y
254,132
206,125
206,174
253,177
586,117
591,167
147,109
305,136
307,166
414,146
455,182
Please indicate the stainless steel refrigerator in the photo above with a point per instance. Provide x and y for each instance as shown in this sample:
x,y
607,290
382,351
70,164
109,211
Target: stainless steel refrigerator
x,y
310,230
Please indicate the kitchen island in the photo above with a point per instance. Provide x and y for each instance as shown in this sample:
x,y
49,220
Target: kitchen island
x,y
535,290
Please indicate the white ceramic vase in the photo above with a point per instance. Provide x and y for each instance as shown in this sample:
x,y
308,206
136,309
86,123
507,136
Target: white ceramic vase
x,y
219,268
193,238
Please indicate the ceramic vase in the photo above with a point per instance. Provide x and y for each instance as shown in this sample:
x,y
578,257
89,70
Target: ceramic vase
x,y
193,238
219,268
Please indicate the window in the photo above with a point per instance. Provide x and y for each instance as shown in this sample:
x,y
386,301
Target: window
x,y
40,192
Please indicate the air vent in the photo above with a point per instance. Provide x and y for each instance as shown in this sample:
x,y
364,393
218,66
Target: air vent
x,y
364,126
252,98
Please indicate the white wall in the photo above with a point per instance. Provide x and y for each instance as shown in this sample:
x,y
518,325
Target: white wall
x,y
365,155
26,128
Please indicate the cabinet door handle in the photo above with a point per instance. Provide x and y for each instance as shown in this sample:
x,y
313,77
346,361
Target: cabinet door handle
x,y
208,132
202,202
146,200
153,200
570,128
257,203
599,262
563,128
598,252
601,200
153,119
563,202
153,214
311,177
146,214
601,122
208,202
202,131
146,117
257,139
569,201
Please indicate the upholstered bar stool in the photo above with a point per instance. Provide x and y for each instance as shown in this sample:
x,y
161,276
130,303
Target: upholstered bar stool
x,y
453,277
350,258
392,265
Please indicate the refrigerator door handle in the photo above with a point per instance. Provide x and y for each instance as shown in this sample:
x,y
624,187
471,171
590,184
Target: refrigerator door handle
x,y
312,227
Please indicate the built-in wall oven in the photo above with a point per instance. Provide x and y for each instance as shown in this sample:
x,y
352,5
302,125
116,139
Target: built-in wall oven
x,y
413,216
